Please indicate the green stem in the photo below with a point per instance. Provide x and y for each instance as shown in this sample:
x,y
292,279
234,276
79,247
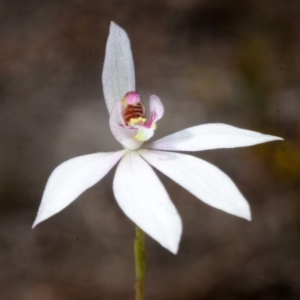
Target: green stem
x,y
140,263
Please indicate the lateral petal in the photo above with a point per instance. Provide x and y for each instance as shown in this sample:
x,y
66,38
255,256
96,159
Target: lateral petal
x,y
210,136
156,108
146,131
144,200
72,178
118,76
202,179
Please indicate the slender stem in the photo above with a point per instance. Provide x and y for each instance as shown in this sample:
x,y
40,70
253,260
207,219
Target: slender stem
x,y
140,263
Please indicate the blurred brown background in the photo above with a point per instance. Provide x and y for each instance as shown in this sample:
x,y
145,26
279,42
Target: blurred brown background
x,y
227,61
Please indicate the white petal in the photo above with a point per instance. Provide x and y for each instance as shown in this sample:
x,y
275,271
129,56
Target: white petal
x,y
202,179
145,201
118,71
72,178
123,135
211,136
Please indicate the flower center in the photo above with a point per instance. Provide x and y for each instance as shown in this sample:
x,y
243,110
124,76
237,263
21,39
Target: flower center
x,y
134,114
133,109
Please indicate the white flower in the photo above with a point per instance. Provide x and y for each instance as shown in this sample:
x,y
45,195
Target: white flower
x,y
137,189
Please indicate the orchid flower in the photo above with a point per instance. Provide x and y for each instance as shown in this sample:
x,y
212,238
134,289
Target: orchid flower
x,y
136,187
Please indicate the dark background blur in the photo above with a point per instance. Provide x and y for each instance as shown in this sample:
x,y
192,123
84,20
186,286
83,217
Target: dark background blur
x,y
229,61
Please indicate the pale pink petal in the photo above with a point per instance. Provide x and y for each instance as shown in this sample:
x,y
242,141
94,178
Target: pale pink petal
x,y
210,136
202,179
72,178
118,71
146,131
124,135
156,108
145,201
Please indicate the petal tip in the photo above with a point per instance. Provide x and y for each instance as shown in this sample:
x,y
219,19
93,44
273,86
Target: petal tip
x,y
174,248
174,239
39,219
249,217
246,215
275,138
35,223
114,26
